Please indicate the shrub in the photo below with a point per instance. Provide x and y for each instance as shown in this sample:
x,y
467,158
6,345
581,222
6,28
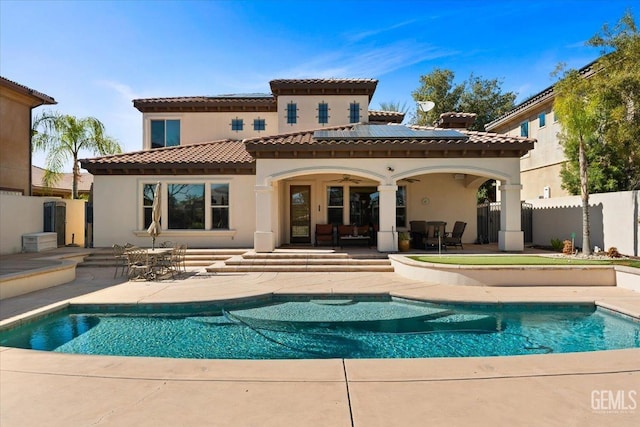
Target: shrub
x,y
556,244
567,248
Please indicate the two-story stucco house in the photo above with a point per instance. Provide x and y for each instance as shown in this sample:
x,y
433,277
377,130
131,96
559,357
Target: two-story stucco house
x,y
262,170
534,118
16,104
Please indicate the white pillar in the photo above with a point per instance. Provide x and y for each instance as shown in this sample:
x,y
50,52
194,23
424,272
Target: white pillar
x,y
510,236
263,239
387,235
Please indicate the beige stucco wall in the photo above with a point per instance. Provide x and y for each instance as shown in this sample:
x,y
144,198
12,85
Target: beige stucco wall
x,y
535,180
118,214
15,154
448,188
22,215
540,167
308,111
203,127
614,218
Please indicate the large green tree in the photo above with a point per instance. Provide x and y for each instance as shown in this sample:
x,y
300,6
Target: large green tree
x,y
62,137
616,83
599,111
613,164
577,112
474,95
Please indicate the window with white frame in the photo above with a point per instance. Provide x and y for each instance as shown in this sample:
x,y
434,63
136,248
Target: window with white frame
x,y
335,205
220,206
401,206
542,120
165,133
185,206
147,203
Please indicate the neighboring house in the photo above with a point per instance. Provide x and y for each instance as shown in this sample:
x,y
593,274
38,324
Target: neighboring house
x,y
63,187
262,170
540,167
16,103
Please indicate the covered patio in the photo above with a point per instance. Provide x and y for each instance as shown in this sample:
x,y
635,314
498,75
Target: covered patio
x,y
382,177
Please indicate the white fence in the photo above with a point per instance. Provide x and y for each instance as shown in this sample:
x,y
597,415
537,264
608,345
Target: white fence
x,y
24,214
614,219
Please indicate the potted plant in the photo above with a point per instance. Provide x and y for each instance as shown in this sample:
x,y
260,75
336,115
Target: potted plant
x,y
404,241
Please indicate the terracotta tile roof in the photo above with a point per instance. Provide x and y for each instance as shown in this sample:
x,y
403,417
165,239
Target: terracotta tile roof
x,y
41,97
323,86
304,144
225,156
230,103
238,157
65,182
379,116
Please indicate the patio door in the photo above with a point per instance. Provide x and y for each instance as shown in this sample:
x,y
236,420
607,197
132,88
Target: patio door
x,y
300,213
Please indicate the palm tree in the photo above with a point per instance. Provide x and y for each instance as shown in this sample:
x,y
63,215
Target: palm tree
x,y
62,136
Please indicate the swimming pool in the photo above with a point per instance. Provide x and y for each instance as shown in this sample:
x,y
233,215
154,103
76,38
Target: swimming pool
x,y
338,327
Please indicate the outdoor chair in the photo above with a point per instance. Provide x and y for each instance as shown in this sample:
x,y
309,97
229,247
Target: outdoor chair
x,y
417,232
139,265
120,258
324,233
178,256
455,237
435,235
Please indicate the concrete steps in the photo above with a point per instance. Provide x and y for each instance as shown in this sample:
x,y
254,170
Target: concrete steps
x,y
302,261
193,257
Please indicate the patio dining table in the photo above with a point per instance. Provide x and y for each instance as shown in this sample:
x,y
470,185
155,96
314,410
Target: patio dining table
x,y
155,260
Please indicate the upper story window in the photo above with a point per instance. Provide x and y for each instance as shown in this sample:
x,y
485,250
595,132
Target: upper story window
x,y
165,133
292,113
237,124
524,129
259,124
542,119
354,112
555,117
323,113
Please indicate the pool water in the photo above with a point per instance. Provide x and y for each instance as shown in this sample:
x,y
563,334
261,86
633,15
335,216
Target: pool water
x,y
333,328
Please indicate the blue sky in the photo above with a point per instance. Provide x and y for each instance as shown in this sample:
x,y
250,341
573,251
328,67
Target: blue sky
x,y
94,57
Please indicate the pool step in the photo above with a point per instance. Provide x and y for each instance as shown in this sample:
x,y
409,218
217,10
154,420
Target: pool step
x,y
299,262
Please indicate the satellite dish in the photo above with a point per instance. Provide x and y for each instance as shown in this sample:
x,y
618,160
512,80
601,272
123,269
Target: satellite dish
x,y
426,106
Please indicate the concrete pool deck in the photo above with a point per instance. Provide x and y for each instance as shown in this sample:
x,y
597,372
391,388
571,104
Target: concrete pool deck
x,y
42,388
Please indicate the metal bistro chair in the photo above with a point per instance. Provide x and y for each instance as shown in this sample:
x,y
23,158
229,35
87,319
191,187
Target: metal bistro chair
x,y
139,265
120,259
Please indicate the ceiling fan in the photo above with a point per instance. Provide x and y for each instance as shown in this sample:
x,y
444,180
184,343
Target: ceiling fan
x,y
410,180
347,178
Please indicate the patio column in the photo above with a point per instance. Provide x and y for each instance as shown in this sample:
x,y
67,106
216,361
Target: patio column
x,y
263,240
387,235
510,236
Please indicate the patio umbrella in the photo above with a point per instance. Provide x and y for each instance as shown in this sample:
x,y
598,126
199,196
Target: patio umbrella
x,y
154,228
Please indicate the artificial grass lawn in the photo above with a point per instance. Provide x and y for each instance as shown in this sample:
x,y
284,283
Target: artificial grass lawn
x,y
520,260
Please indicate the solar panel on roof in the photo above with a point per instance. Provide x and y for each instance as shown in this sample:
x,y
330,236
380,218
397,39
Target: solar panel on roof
x,y
388,132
